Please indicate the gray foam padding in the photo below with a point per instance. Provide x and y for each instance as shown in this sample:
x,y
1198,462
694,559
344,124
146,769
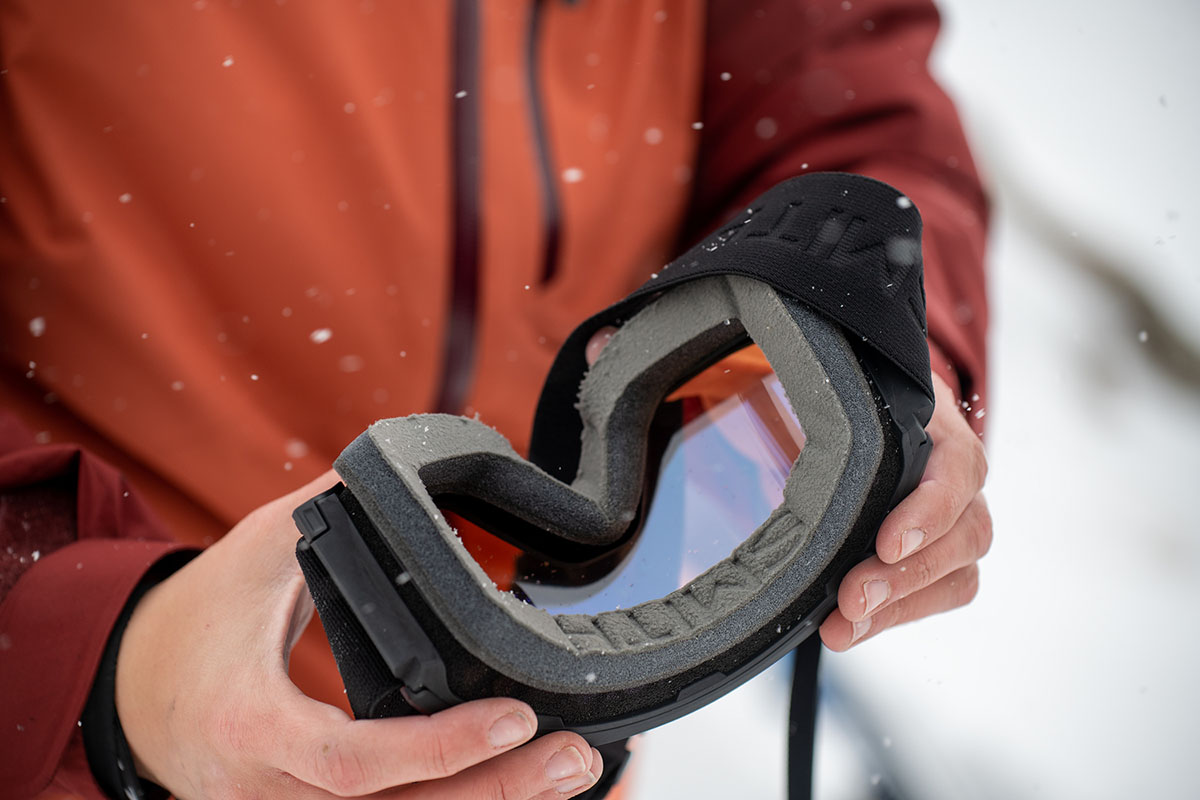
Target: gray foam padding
x,y
398,466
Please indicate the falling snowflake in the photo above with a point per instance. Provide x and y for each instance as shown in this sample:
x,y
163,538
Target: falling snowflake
x,y
766,128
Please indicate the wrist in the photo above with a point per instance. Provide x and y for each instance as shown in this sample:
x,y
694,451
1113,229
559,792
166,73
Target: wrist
x,y
113,764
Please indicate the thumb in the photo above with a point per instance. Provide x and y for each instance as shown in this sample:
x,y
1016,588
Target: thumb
x,y
324,748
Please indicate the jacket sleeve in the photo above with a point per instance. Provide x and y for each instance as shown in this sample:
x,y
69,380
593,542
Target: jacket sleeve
x,y
843,85
74,543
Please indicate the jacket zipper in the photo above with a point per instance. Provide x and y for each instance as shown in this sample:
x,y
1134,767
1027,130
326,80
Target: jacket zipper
x,y
458,355
549,181
459,349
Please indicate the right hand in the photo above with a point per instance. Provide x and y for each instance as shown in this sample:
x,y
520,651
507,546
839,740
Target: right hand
x,y
208,709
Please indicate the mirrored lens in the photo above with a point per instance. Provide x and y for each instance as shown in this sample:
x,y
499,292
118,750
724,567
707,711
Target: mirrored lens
x,y
720,452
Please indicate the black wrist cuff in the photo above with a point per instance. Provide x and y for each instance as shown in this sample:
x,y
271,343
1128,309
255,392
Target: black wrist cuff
x,y
108,753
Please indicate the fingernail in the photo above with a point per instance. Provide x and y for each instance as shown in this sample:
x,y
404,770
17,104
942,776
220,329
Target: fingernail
x,y
910,540
566,763
860,629
596,345
587,779
510,729
875,593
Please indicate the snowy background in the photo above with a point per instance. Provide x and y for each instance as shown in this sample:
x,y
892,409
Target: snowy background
x,y
1076,673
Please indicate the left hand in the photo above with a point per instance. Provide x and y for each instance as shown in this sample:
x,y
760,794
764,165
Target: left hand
x,y
927,548
208,710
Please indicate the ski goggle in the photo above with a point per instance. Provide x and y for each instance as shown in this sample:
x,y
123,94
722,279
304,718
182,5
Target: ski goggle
x,y
692,530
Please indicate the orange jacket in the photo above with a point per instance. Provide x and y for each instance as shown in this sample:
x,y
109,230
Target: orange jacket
x,y
233,234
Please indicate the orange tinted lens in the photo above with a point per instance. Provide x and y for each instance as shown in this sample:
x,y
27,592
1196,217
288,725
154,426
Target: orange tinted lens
x,y
714,475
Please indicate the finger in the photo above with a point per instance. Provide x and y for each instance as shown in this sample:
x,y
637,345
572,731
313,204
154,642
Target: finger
x,y
557,765
955,474
955,590
873,584
597,343
522,774
323,747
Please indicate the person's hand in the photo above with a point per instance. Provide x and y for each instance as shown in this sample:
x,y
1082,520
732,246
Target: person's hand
x,y
927,548
206,704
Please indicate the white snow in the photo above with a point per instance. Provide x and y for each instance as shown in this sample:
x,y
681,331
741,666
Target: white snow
x,y
766,128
